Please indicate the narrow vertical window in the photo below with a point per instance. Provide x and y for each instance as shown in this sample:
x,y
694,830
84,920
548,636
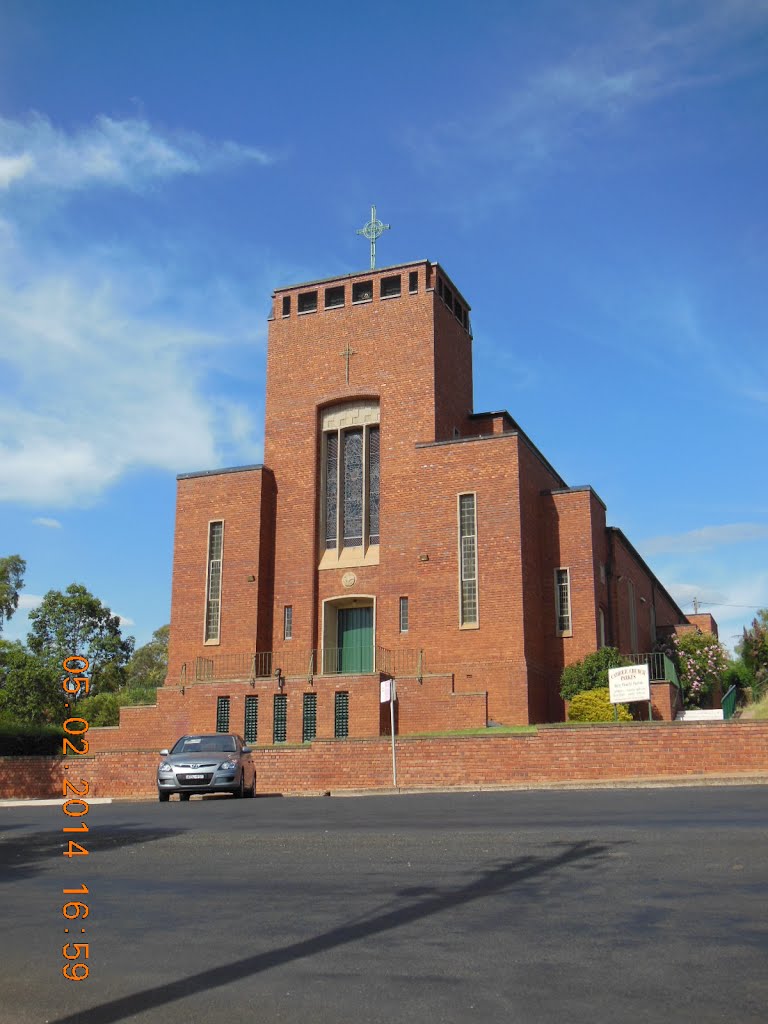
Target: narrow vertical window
x,y
251,724
222,714
652,622
563,600
331,489
286,305
601,626
309,723
213,591
280,719
373,485
288,622
413,281
403,614
341,716
467,560
632,616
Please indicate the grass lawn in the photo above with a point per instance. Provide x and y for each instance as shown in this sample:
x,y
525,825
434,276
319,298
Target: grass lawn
x,y
759,710
495,730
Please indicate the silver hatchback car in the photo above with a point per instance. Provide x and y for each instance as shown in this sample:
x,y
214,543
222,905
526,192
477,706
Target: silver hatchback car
x,y
212,763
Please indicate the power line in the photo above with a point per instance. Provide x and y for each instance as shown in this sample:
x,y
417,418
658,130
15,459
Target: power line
x,y
720,604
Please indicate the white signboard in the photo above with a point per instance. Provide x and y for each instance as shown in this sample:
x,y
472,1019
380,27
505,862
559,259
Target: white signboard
x,y
629,683
387,687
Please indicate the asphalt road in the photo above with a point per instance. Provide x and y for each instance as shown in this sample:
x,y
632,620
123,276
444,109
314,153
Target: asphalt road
x,y
531,907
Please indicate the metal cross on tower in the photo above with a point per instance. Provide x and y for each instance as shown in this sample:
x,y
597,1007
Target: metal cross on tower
x,y
372,230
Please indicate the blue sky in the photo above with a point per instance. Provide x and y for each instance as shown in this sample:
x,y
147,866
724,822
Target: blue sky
x,y
592,176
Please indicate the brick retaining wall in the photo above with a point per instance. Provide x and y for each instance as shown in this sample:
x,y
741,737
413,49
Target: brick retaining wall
x,y
553,754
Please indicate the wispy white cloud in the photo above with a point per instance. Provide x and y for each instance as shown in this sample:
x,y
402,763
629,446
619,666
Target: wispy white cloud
x,y
707,538
52,524
639,55
29,601
686,593
101,380
119,153
125,621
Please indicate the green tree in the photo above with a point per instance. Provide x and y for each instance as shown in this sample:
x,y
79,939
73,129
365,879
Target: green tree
x,y
30,688
101,709
591,672
12,571
149,664
76,622
754,652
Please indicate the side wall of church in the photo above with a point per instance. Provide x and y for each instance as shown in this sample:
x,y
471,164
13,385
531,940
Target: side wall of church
x,y
239,500
628,568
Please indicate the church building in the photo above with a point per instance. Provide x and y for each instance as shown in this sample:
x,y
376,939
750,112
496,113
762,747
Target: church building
x,y
391,531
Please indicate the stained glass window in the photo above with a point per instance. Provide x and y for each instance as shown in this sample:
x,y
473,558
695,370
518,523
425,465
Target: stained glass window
x,y
349,511
353,488
373,485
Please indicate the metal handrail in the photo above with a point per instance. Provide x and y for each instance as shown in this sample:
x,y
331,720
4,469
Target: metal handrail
x,y
728,703
326,661
661,668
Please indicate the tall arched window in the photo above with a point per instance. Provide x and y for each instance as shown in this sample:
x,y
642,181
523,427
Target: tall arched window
x,y
349,513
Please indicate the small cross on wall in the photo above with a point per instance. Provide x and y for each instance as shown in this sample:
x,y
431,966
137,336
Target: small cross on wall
x,y
345,355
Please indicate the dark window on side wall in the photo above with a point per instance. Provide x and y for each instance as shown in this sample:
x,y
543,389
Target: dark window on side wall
x,y
307,302
403,614
309,724
334,297
288,622
286,305
413,281
222,714
280,722
362,291
341,716
390,286
251,724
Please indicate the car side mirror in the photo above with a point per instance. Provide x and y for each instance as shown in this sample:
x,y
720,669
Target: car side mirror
x,y
246,750
164,752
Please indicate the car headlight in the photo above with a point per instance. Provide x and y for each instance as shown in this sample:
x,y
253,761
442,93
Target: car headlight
x,y
165,767
227,766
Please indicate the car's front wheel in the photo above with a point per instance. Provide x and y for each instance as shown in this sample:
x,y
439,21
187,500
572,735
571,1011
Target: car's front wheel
x,y
163,797
251,791
240,791
184,796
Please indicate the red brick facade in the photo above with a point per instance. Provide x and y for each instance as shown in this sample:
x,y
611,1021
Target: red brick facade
x,y
387,355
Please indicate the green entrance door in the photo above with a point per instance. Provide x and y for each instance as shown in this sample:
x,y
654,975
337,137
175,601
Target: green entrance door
x,y
356,640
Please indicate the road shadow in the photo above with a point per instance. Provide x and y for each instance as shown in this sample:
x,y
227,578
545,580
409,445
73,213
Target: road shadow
x,y
26,855
419,904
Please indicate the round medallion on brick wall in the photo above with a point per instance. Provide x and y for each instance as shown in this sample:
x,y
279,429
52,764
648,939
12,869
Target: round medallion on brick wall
x,y
348,580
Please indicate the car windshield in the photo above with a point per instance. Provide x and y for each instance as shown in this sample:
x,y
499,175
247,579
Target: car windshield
x,y
205,745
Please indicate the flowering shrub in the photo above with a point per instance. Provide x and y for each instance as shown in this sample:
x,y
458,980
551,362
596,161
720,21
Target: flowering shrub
x,y
700,660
